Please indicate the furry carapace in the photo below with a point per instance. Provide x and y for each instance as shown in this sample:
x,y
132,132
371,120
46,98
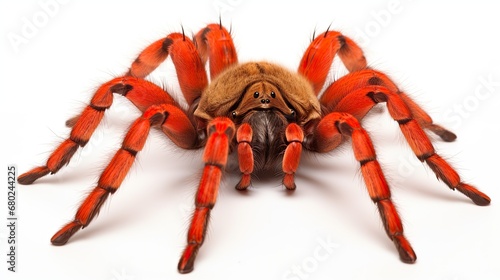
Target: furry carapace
x,y
248,86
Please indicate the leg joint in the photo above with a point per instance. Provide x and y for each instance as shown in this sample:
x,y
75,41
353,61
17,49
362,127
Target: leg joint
x,y
79,141
108,189
378,199
166,44
404,121
98,108
344,128
130,151
367,160
424,157
121,88
377,97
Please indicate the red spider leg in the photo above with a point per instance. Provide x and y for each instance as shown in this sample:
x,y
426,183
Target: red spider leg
x,y
190,71
220,133
426,121
192,78
140,92
329,133
361,100
214,43
317,59
291,158
369,77
245,155
166,115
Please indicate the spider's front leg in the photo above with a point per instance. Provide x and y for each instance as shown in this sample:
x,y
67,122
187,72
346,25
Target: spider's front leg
x,y
220,134
315,66
329,133
143,94
317,59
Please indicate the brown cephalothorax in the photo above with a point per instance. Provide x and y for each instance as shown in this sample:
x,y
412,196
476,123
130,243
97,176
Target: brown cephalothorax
x,y
262,113
259,85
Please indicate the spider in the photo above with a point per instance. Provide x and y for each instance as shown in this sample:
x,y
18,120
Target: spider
x,y
263,113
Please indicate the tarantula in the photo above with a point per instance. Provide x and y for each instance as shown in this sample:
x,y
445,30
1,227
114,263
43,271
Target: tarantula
x,y
264,113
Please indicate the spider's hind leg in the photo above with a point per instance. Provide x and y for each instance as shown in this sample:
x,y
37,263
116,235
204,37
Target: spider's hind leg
x,y
358,92
422,147
426,121
329,134
171,119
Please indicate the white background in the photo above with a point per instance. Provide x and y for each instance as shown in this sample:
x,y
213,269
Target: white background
x,y
439,53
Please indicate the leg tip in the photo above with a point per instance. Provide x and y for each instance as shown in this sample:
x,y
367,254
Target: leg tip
x,y
244,183
64,234
185,269
290,187
474,194
58,241
31,176
448,136
72,121
186,263
406,253
442,132
289,182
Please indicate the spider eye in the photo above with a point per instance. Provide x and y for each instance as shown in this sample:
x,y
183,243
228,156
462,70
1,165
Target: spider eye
x,y
256,94
273,94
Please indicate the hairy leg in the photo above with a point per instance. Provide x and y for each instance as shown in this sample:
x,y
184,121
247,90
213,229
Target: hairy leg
x,y
214,43
329,133
362,99
139,91
342,95
192,79
116,171
317,59
220,133
188,65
